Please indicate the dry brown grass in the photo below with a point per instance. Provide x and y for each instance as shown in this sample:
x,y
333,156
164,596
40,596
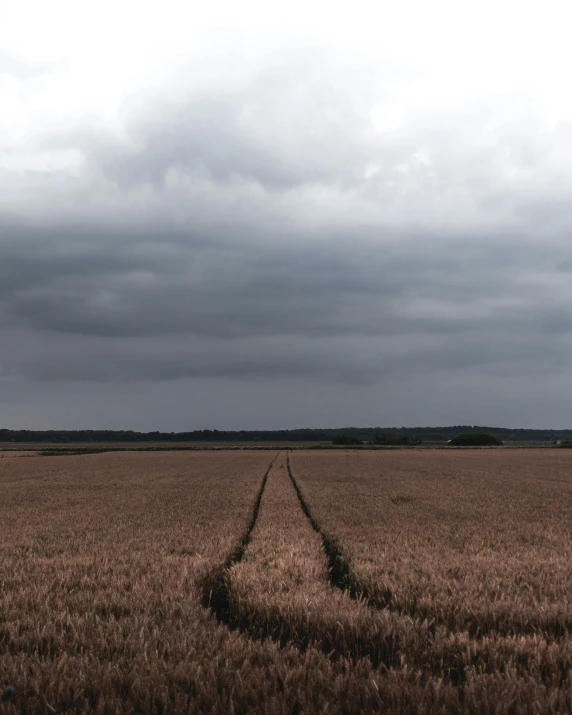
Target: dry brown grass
x,y
103,560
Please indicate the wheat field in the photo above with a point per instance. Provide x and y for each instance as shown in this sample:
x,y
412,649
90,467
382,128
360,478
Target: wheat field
x,y
290,581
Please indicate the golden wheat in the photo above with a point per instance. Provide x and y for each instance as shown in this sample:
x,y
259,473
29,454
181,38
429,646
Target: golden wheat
x,y
480,540
463,559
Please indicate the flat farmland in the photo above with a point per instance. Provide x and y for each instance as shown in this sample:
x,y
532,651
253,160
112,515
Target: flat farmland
x,y
287,581
479,540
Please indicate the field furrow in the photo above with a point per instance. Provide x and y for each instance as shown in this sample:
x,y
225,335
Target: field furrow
x,y
340,572
456,657
481,544
282,589
216,583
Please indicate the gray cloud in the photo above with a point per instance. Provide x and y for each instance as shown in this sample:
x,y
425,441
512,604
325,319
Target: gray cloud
x,y
151,288
268,232
289,125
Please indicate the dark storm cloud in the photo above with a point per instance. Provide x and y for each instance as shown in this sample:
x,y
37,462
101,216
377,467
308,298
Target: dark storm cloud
x,y
126,308
266,232
133,286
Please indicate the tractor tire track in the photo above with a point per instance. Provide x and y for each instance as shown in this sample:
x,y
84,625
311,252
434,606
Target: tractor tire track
x,y
240,609
247,596
340,573
452,653
343,577
271,596
216,585
280,590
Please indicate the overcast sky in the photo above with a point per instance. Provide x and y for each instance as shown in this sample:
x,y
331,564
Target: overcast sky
x,y
274,215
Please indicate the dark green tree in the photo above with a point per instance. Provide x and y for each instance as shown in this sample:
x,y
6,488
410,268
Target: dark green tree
x,y
475,439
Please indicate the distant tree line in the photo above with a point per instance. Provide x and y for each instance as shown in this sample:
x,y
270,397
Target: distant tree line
x,y
475,439
403,440
377,435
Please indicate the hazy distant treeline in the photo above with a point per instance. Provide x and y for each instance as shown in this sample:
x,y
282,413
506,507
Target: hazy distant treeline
x,y
367,434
